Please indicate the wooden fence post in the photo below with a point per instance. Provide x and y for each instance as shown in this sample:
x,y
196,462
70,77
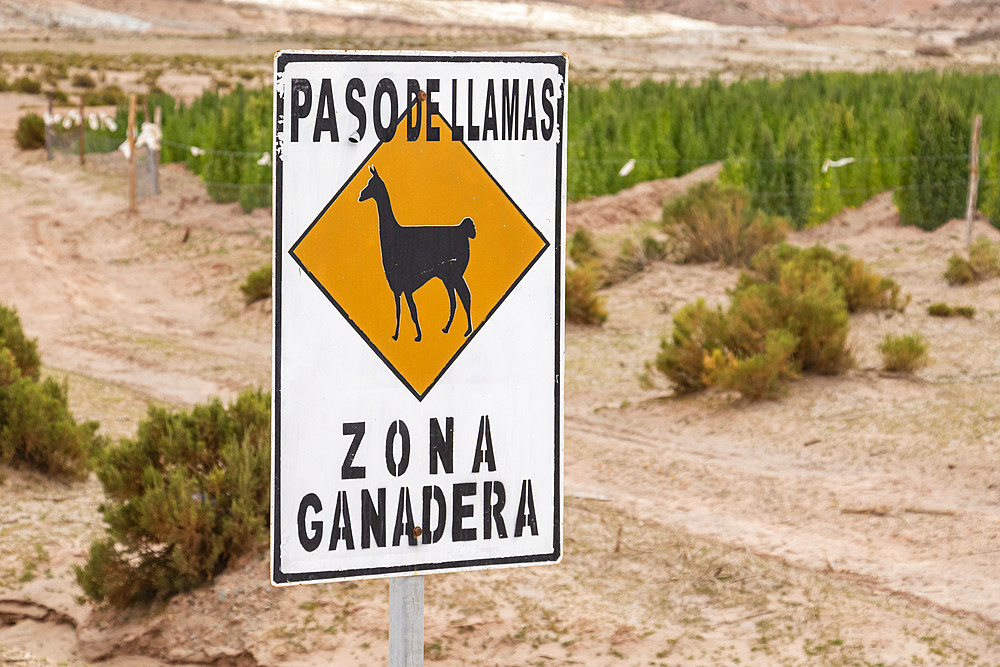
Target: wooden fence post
x,y
970,203
155,157
131,153
83,123
48,134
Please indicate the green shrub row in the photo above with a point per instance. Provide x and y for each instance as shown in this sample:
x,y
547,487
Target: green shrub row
x,y
907,130
234,129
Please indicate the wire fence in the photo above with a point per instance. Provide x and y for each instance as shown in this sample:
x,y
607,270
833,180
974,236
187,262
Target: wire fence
x,y
104,149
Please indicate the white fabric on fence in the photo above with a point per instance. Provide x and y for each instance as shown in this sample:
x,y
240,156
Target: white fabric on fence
x,y
149,136
835,163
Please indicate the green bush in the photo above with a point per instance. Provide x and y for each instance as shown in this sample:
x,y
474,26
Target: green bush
x,y
903,354
57,96
634,256
698,333
804,299
940,310
760,375
26,84
83,80
257,286
984,258
110,95
944,310
36,426
968,312
959,271
583,304
789,317
712,223
23,349
582,249
30,132
863,289
186,496
934,178
983,263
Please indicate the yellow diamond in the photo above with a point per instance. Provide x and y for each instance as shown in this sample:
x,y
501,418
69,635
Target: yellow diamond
x,y
419,223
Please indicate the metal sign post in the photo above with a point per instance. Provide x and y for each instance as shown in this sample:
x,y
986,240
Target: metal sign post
x,y
406,621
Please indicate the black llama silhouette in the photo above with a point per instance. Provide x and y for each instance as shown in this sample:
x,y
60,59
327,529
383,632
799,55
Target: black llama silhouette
x,y
412,255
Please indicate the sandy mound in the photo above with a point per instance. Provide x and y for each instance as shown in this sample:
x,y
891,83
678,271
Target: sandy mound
x,y
640,202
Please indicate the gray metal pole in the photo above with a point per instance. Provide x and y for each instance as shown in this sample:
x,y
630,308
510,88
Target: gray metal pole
x,y
406,621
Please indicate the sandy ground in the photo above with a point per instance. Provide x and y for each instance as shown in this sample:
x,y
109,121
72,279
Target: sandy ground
x,y
854,521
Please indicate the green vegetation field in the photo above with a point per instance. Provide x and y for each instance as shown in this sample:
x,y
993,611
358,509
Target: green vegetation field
x,y
904,130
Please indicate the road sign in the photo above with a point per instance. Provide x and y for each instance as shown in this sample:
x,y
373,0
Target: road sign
x,y
419,220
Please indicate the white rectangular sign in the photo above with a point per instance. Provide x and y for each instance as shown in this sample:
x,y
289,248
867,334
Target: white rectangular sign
x,y
419,220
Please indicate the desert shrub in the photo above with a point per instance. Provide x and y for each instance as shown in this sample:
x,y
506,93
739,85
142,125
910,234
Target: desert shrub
x,y
635,255
582,249
789,316
959,271
36,426
968,312
23,350
83,80
185,497
903,354
944,310
940,310
716,223
151,76
761,375
699,332
109,95
57,96
863,289
26,84
983,263
803,299
583,304
984,258
257,286
30,133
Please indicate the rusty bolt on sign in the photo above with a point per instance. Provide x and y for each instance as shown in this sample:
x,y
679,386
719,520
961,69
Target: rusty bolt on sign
x,y
422,96
417,531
